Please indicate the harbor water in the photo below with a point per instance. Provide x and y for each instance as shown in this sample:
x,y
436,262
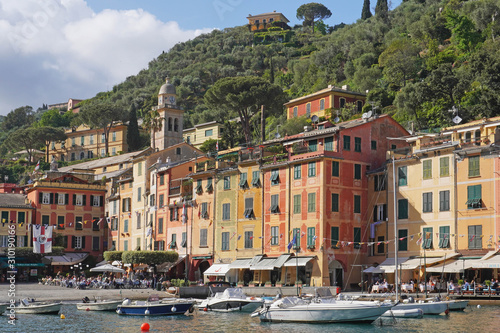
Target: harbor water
x,y
473,319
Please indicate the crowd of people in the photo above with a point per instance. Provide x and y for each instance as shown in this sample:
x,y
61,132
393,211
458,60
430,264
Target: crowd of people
x,y
106,281
473,287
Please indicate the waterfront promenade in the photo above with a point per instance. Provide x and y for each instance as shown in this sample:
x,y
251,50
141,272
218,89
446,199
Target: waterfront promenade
x,y
57,293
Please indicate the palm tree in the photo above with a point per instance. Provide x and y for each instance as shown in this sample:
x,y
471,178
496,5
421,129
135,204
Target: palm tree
x,y
153,122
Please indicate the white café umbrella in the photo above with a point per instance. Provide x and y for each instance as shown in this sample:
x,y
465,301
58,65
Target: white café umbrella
x,y
107,268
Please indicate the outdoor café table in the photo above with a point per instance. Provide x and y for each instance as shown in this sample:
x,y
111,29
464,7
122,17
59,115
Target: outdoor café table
x,y
375,288
407,287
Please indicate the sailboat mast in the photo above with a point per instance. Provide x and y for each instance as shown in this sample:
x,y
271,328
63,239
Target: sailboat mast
x,y
395,228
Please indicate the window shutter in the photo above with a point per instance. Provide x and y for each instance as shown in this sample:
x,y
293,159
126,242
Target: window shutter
x,y
91,200
83,242
56,198
66,199
74,199
73,242
84,200
384,212
375,213
65,241
40,197
101,201
51,198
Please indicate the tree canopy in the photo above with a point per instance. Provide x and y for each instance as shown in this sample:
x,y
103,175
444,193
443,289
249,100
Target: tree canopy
x,y
312,11
245,95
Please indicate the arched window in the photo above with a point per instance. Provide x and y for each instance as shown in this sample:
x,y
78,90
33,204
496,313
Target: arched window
x,y
169,124
176,125
477,137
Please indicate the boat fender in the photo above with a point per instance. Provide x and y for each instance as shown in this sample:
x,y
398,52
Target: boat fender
x,y
191,309
119,311
174,309
146,312
228,306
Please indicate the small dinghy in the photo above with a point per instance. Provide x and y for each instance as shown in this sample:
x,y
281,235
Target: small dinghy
x,y
409,313
25,307
98,305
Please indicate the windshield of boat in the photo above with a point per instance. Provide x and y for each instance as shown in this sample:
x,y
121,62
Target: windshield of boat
x,y
231,293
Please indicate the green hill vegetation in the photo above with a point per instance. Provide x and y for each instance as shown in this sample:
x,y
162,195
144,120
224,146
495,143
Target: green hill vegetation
x,y
417,61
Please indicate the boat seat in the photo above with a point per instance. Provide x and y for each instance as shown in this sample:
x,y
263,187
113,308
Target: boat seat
x,y
140,302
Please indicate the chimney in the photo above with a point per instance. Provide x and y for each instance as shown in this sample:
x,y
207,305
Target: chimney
x,y
346,87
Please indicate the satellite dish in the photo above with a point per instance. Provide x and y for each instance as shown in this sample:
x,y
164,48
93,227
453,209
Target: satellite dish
x,y
457,120
364,116
315,119
369,114
336,119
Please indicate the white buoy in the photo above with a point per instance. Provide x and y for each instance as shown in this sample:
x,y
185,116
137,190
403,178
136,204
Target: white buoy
x,y
146,312
479,306
119,311
174,309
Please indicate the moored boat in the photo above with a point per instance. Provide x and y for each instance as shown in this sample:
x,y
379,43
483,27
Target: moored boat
x,y
25,307
409,313
232,299
457,304
429,308
98,305
3,307
155,307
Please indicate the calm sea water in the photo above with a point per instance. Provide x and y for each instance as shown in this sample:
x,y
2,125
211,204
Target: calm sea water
x,y
485,319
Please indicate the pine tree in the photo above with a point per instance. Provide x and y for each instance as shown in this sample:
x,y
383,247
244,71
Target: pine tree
x,y
366,13
133,137
381,8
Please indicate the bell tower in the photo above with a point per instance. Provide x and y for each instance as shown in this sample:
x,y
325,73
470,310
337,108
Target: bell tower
x,y
171,117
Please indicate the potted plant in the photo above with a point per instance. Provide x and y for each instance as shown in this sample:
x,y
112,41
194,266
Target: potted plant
x,y
299,283
240,284
253,283
268,284
460,282
279,283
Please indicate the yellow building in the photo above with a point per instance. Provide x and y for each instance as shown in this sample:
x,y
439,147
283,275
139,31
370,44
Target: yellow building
x,y
200,133
265,20
84,143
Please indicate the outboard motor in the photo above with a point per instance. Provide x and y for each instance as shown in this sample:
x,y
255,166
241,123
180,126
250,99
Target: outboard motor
x,y
85,300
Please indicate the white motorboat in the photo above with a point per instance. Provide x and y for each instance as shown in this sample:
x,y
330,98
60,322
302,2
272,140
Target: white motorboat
x,y
25,307
410,313
457,304
428,307
98,305
232,299
322,308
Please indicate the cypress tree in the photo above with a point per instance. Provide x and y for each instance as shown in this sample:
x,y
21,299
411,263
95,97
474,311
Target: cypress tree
x,y
133,136
381,8
366,13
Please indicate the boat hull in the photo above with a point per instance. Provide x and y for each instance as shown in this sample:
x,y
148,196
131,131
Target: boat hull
x,y
39,309
99,306
430,308
161,309
231,305
409,313
319,313
457,305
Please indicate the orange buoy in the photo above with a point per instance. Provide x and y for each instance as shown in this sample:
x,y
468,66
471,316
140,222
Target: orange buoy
x,y
145,327
205,309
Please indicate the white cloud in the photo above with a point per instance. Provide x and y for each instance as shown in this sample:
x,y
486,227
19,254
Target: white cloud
x,y
59,49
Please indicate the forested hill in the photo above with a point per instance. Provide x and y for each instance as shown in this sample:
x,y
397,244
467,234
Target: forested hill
x,y
418,61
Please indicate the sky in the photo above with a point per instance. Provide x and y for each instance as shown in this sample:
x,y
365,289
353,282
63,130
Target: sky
x,y
53,50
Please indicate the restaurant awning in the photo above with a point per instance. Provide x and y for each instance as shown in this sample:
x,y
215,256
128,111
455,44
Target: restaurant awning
x,y
493,262
217,270
265,264
67,259
240,264
166,266
280,261
297,261
421,262
456,266
373,270
387,266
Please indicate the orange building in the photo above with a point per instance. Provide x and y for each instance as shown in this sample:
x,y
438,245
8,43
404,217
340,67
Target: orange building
x,y
73,203
325,103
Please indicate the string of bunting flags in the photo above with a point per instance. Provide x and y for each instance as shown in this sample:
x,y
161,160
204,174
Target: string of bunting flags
x,y
418,237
